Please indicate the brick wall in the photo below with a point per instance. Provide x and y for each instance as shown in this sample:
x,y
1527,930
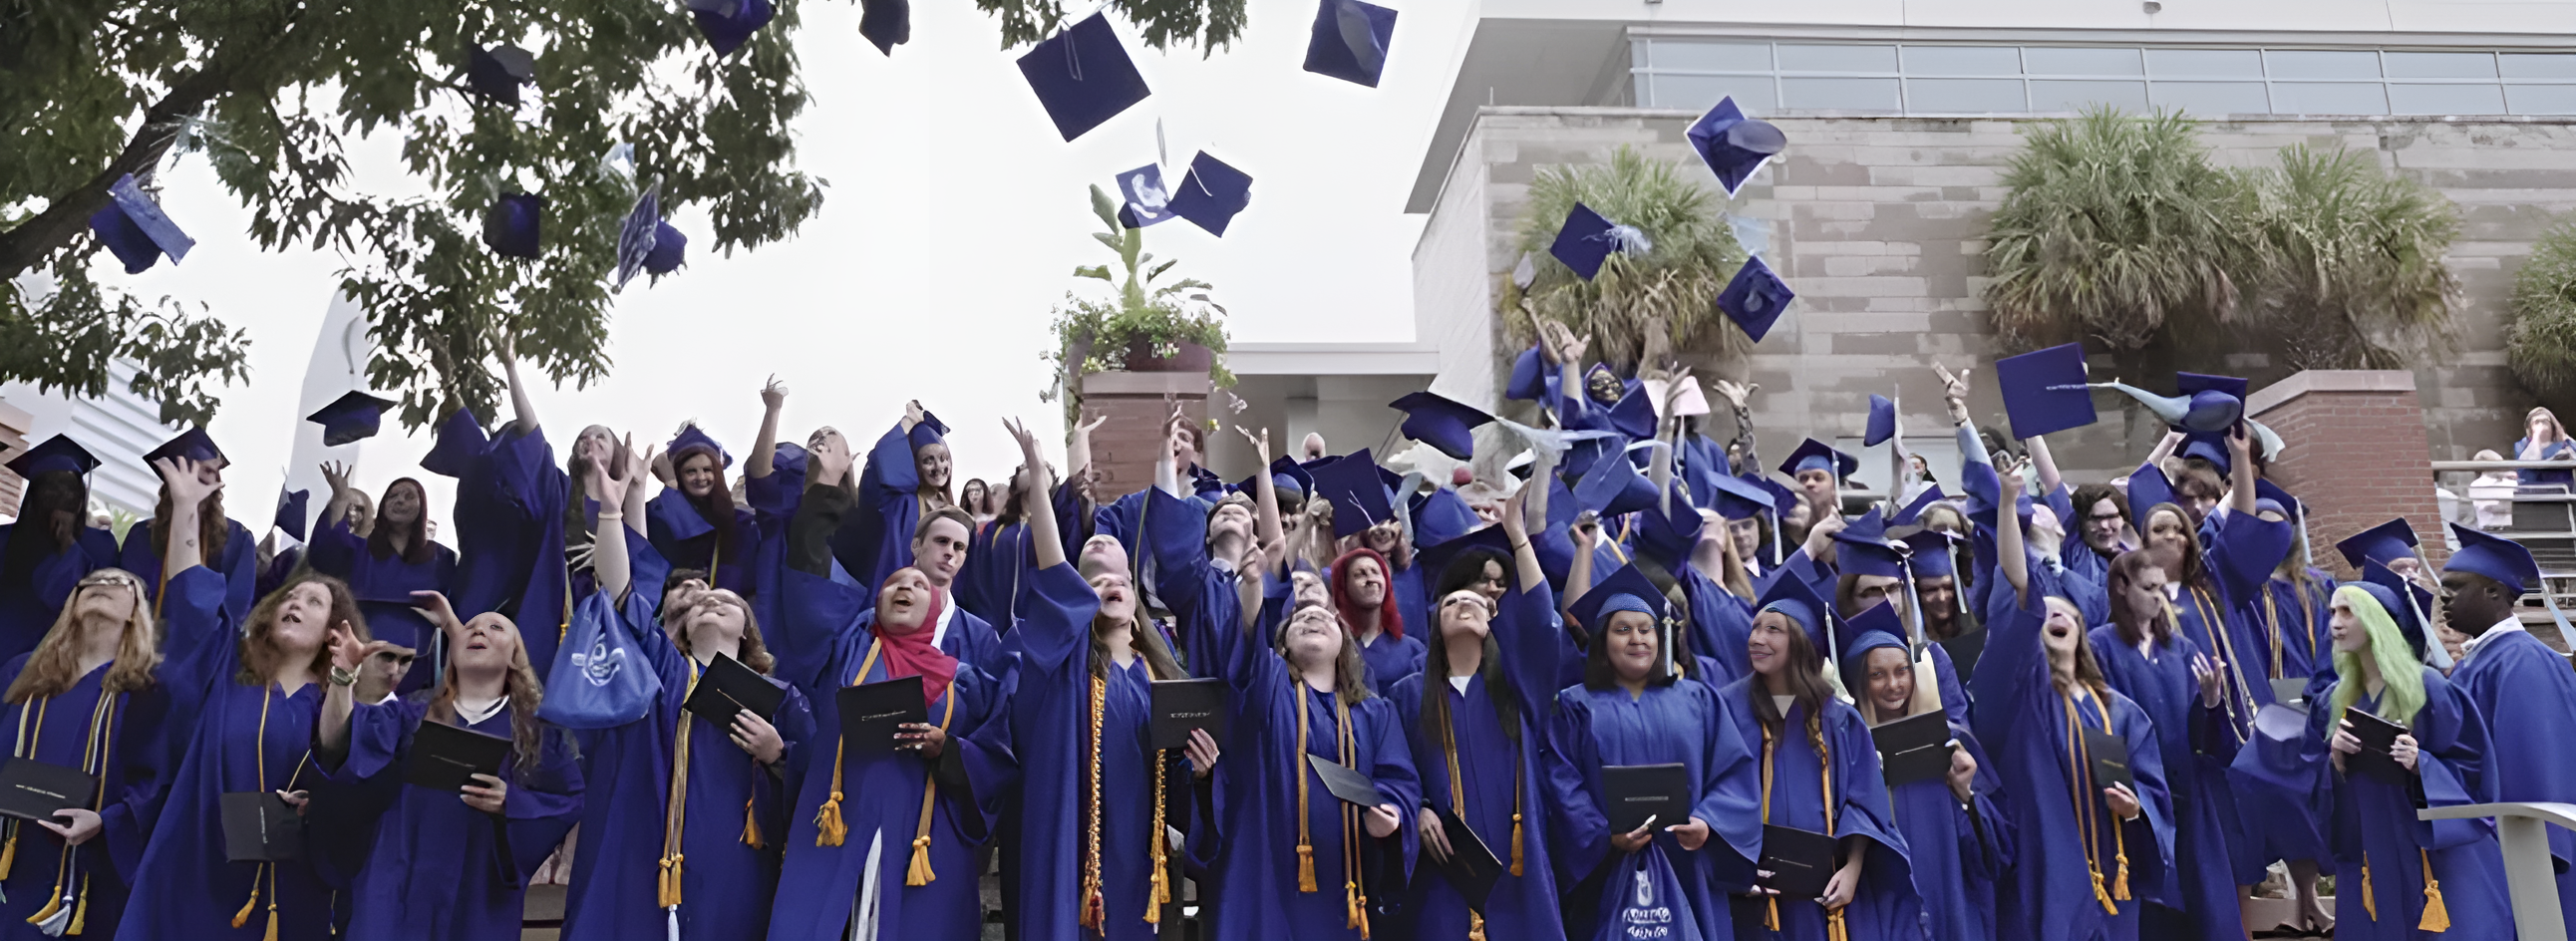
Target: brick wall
x,y
2360,455
1136,404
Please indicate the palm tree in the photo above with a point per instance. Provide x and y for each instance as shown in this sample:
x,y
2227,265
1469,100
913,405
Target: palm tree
x,y
2540,344
1648,303
2353,274
2113,226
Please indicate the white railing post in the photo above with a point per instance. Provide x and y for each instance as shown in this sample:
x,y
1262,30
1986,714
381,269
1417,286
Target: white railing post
x,y
2522,830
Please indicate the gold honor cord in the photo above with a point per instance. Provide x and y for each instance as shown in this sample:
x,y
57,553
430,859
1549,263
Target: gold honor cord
x,y
2217,627
259,764
831,830
1458,805
1836,927
675,813
1095,911
24,747
1352,827
2080,762
94,751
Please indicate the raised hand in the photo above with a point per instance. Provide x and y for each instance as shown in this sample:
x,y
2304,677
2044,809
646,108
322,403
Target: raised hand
x,y
913,414
1954,392
773,396
1097,419
336,475
2204,670
347,651
1736,392
180,476
1260,445
435,607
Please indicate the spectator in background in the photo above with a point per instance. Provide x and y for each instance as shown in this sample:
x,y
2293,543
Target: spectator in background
x,y
2491,495
2545,439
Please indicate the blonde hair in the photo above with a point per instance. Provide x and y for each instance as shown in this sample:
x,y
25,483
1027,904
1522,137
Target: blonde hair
x,y
54,667
519,685
752,652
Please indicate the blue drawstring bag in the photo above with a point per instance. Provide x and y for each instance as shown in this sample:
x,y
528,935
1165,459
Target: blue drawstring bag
x,y
600,678
1644,902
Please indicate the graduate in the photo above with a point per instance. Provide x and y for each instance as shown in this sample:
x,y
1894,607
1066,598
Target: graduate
x,y
1633,708
2087,853
2397,877
881,844
694,522
1095,800
386,563
52,546
1296,862
225,544
2288,613
1820,773
267,710
683,820
906,477
98,664
522,529
1475,721
444,865
1365,597
2181,689
2522,689
1955,834
1874,573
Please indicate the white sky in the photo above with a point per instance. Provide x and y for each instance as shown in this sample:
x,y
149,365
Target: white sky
x,y
954,218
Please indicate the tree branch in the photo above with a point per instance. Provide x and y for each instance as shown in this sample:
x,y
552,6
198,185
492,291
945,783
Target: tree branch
x,y
29,243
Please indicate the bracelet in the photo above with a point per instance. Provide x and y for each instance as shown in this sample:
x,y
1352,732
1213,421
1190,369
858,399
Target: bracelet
x,y
341,676
1518,546
609,515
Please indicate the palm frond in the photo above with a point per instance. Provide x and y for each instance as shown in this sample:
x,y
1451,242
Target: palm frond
x,y
2540,344
1672,288
2352,256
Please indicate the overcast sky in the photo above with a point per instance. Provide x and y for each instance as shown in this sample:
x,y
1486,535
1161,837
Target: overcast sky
x,y
953,221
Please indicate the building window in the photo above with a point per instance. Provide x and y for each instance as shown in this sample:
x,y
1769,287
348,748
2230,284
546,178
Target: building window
x,y
1963,78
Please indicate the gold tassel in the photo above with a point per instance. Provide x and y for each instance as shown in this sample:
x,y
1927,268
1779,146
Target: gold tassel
x,y
80,913
2120,878
2437,916
2101,894
242,917
1305,868
1516,844
54,903
670,881
828,828
1094,912
1475,926
1771,919
9,852
1836,929
1351,905
2369,902
751,826
920,874
272,925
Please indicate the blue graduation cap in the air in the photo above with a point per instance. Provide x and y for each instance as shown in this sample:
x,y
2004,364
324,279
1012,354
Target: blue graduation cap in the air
x,y
690,439
1882,421
1734,145
1350,41
510,227
1359,498
291,515
2495,557
1147,201
670,250
496,73
1736,498
58,453
133,227
1083,76
457,442
1612,486
1755,298
637,237
1441,422
728,24
1586,240
886,23
192,444
1817,455
1211,193
2044,390
351,417
2383,543
1530,376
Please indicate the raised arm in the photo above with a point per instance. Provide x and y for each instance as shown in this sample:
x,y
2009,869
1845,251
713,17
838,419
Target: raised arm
x,y
2008,541
1515,523
764,450
1077,448
2049,480
608,559
187,492
526,413
1268,532
1742,444
1043,535
1586,535
342,495
2165,448
2240,470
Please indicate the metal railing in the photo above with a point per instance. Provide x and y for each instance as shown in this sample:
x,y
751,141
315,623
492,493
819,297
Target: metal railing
x,y
2522,831
2542,518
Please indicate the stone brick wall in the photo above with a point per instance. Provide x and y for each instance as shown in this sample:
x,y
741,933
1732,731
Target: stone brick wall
x,y
2362,455
1878,224
1136,403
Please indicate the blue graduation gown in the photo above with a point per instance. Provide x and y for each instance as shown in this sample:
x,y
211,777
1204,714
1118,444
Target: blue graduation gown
x,y
2221,616
28,608
988,585
2371,821
1720,625
1885,903
1503,776
383,587
877,539
438,869
684,537
1686,723
2200,901
510,539
1948,847
1050,725
2293,624
2023,721
881,793
726,883
1390,659
239,564
1412,599
130,781
222,745
2527,696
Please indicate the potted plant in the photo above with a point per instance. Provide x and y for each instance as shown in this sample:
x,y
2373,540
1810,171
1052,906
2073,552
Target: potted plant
x,y
1147,325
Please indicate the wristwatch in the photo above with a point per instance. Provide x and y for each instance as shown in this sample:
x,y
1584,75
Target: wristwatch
x,y
341,676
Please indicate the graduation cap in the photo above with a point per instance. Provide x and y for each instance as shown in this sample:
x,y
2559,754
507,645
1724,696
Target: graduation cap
x,y
1586,240
1790,595
1914,511
1440,516
1436,559
2280,499
1784,498
1851,634
496,73
1634,414
1817,455
1866,550
1755,298
58,453
133,227
510,226
1882,421
2207,447
2044,391
1147,202
2382,544
1611,486
887,23
192,444
290,512
2495,557
637,238
1286,475
1211,193
1083,76
670,250
354,416
1529,376
1931,556
727,24
1350,40
929,431
1627,589
1441,422
2407,603
1734,145
1736,498
1358,496
691,439
458,441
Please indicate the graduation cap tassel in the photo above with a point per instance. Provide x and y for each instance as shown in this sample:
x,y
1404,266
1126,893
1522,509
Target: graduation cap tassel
x,y
919,873
829,830
80,914
9,853
2369,900
751,826
242,917
1516,838
2437,916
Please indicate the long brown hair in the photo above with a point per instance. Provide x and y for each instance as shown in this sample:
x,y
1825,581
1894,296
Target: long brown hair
x,y
380,538
2195,574
1435,668
717,506
213,527
260,657
1804,674
2136,626
54,667
1146,640
519,685
1349,671
2088,671
753,653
